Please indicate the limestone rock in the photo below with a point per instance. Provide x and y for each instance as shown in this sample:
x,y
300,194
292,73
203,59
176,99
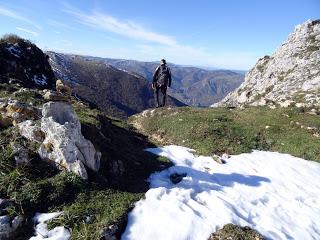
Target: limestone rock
x,y
9,228
218,159
291,76
31,131
63,88
177,177
64,143
21,154
13,112
20,111
56,96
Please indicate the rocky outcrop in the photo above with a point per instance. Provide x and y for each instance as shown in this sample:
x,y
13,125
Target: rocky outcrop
x,y
56,96
31,130
291,76
64,143
13,112
56,128
24,63
9,226
21,154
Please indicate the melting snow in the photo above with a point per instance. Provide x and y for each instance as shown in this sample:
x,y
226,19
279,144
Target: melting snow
x,y
14,50
276,194
42,232
40,80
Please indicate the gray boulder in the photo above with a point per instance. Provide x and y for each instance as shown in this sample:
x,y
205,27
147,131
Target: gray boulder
x,y
8,228
21,154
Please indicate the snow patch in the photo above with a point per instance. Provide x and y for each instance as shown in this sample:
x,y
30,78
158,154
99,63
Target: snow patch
x,y
14,50
42,232
276,194
42,80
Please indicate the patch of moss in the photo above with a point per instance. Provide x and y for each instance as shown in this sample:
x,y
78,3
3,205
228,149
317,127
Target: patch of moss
x,y
234,232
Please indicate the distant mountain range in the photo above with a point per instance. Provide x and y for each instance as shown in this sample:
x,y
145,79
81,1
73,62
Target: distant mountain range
x,y
114,91
191,85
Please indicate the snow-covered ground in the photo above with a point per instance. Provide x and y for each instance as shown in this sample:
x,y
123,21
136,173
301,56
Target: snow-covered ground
x,y
276,194
41,229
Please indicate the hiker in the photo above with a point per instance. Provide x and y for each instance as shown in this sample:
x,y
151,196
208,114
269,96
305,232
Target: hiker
x,y
160,82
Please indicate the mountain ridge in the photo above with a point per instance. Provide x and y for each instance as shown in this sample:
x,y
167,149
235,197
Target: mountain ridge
x,y
112,90
290,76
183,79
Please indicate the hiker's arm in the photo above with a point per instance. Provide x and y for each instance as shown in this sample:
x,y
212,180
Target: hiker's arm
x,y
170,79
155,75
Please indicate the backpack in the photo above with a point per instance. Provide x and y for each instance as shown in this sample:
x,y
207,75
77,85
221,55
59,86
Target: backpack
x,y
163,75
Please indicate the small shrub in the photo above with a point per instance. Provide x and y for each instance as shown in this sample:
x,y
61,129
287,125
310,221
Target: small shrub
x,y
15,39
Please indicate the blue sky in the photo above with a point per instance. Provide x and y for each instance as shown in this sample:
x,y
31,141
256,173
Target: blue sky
x,y
225,34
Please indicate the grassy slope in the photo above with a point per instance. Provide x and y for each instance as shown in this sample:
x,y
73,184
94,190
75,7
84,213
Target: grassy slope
x,y
91,206
103,200
220,130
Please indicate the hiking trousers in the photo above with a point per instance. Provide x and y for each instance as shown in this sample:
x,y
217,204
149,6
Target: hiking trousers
x,y
160,94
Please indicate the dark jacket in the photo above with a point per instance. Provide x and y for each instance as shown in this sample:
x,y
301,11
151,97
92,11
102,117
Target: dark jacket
x,y
156,76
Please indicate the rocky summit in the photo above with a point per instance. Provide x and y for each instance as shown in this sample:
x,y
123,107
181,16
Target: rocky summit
x,y
290,76
24,63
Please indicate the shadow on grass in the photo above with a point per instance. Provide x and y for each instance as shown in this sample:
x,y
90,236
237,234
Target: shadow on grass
x,y
125,166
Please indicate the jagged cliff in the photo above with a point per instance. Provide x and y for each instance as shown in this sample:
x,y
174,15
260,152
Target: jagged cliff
x,y
290,76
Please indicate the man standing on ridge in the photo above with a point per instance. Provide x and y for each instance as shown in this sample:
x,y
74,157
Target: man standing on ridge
x,y
160,82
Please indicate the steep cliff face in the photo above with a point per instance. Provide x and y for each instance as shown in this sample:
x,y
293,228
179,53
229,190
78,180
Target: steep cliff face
x,y
291,76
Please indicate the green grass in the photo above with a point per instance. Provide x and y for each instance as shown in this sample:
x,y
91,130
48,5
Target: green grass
x,y
220,130
106,197
235,232
29,96
94,210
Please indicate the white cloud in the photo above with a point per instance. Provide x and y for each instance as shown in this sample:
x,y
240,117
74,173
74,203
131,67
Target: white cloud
x,y
28,31
57,24
155,45
15,15
187,55
125,28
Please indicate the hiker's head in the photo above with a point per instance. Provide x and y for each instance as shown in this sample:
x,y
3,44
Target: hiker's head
x,y
162,61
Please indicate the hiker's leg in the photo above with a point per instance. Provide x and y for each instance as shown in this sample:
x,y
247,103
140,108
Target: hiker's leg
x,y
156,96
164,95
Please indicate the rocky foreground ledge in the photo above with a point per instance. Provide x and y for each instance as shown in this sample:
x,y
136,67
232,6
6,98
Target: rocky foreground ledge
x,y
56,127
